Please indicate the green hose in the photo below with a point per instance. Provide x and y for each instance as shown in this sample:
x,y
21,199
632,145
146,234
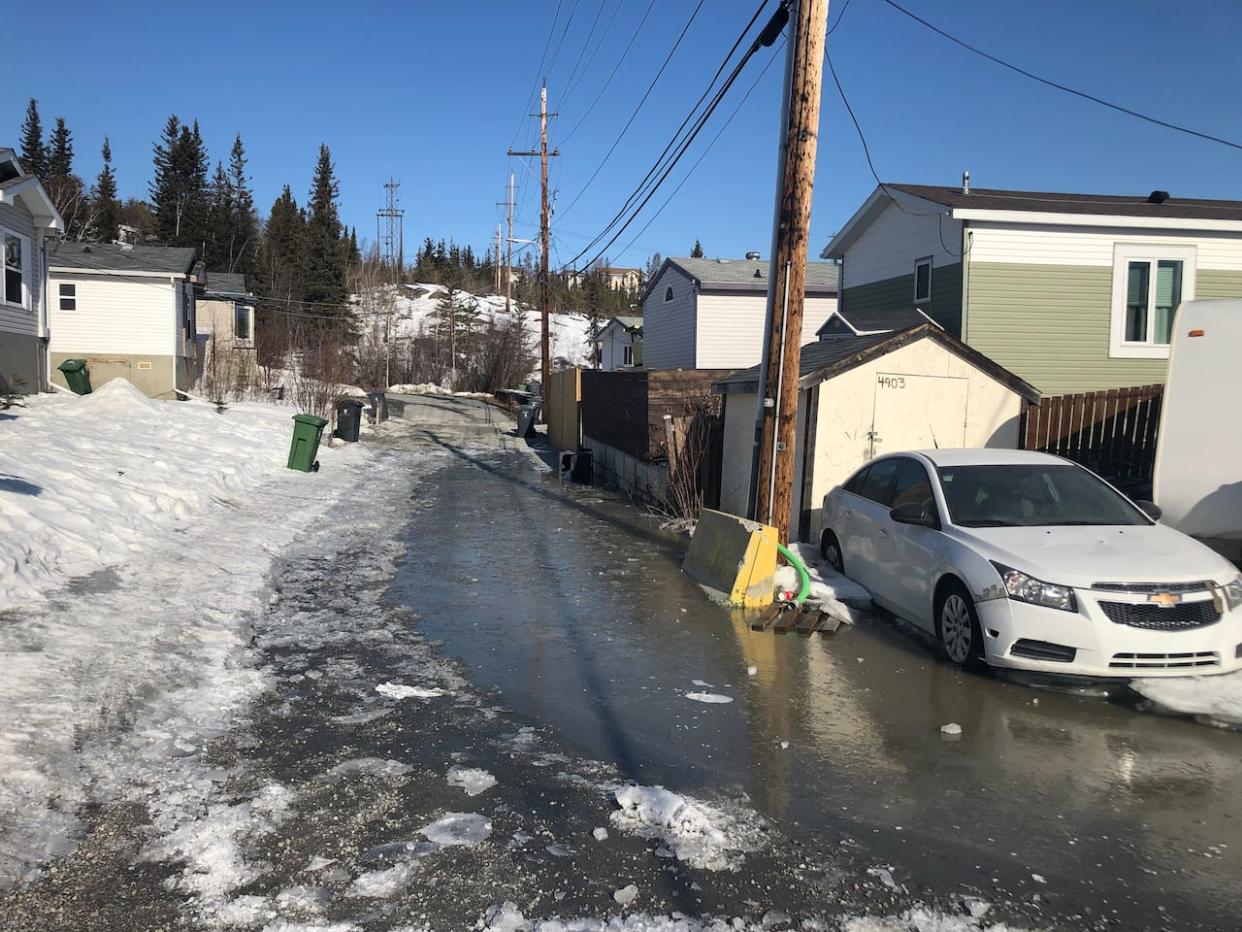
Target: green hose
x,y
804,577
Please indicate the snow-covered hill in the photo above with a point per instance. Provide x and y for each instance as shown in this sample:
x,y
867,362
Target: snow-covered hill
x,y
415,304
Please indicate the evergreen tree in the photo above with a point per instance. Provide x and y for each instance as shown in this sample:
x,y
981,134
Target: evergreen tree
x,y
34,154
245,222
697,251
284,265
326,251
165,197
179,190
218,249
60,157
106,210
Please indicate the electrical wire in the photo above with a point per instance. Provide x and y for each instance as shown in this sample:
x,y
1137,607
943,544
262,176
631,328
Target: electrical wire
x,y
569,82
637,109
538,71
1048,82
568,22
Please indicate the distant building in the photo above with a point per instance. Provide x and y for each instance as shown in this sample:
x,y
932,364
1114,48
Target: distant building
x,y
128,311
225,327
619,279
619,344
27,218
709,313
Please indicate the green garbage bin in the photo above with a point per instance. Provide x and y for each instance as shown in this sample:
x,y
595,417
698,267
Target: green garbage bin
x,y
76,375
307,430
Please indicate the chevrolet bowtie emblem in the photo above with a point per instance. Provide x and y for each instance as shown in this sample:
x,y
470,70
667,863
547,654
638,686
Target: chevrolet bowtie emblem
x,y
1165,599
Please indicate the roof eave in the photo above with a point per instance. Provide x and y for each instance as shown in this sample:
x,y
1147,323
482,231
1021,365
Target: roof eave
x,y
29,189
1054,218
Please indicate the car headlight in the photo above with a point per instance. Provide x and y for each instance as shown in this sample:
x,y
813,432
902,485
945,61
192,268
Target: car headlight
x,y
1233,592
1024,588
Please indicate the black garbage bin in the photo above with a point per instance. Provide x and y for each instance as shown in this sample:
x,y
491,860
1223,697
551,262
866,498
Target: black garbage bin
x,y
348,419
527,415
379,406
580,468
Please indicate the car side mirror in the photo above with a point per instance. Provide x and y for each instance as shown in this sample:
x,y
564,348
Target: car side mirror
x,y
916,513
1151,509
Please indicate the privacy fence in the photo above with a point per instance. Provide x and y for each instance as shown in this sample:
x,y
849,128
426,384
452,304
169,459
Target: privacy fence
x,y
1112,432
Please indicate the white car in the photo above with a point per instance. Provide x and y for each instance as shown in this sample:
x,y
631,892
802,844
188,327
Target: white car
x,y
1028,561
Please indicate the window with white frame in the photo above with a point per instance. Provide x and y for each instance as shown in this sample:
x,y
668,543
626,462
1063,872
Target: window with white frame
x,y
922,280
13,286
243,322
627,355
68,296
1149,282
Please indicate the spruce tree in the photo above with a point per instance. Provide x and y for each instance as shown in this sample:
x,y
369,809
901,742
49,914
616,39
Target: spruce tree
x,y
326,251
179,195
106,210
697,251
245,222
283,270
195,228
34,154
60,156
218,249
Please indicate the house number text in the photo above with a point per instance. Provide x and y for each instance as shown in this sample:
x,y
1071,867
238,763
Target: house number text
x,y
892,381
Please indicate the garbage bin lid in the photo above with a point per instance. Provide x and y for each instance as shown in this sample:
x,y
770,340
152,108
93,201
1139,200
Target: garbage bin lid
x,y
311,419
72,365
345,400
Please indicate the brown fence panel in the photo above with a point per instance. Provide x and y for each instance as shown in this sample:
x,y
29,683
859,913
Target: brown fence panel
x,y
1112,432
564,404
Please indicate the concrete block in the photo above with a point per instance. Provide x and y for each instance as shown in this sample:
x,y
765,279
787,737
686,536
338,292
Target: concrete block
x,y
733,558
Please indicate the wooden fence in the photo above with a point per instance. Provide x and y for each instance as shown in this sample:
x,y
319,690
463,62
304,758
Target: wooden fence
x,y
1112,432
563,409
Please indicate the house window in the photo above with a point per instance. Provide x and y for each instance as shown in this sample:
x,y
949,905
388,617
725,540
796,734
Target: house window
x,y
922,280
14,256
68,297
243,322
668,294
627,355
1149,282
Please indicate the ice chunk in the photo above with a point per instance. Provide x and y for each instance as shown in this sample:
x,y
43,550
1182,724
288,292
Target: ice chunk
x,y
471,779
458,828
369,767
952,728
600,834
400,691
1216,700
700,834
709,698
625,896
384,883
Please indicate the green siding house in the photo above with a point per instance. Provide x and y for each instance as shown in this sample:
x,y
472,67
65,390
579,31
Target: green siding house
x,y
1072,292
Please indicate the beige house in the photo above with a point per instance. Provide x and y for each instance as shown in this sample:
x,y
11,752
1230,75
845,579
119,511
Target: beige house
x,y
226,334
128,311
912,388
27,219
709,313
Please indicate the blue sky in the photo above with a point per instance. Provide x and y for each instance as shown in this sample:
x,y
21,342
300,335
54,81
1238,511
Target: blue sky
x,y
433,93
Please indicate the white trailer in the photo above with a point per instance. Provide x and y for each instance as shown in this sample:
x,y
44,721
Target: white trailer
x,y
1198,474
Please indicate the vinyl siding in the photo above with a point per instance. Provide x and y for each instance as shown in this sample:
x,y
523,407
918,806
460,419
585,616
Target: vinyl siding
x,y
1031,244
25,321
124,316
889,247
1217,283
945,307
1050,325
668,327
730,328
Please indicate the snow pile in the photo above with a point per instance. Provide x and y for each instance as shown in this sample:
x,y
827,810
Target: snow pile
x,y
431,388
470,779
700,834
923,920
86,482
1214,700
837,595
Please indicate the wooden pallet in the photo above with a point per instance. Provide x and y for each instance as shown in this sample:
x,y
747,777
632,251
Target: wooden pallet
x,y
766,618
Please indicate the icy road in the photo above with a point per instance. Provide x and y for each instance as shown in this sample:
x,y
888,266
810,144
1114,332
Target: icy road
x,y
471,697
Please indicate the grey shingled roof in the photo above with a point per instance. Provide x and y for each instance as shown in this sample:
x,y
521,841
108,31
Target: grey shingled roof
x,y
739,274
227,283
1048,202
113,258
629,322
886,319
815,356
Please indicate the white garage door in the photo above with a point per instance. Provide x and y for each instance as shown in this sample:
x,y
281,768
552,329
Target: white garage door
x,y
918,412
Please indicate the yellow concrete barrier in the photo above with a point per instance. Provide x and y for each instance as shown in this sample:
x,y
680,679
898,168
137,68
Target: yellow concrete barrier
x,y
733,558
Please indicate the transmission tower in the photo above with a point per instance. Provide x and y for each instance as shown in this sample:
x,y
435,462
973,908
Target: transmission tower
x,y
390,229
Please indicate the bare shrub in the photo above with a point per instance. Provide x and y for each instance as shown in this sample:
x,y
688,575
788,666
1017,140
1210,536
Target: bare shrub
x,y
688,443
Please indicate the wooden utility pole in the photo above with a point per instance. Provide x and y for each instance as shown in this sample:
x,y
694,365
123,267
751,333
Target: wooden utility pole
x,y
508,281
545,224
778,399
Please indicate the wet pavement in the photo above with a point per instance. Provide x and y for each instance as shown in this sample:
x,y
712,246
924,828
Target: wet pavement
x,y
543,633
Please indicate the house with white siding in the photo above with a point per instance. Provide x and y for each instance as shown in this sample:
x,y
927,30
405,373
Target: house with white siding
x,y
129,311
710,313
28,218
1072,292
619,344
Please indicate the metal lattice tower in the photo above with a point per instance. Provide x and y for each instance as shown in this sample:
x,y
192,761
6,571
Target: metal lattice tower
x,y
390,228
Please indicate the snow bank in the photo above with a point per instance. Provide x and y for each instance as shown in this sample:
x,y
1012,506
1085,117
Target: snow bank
x,y
1214,700
431,388
838,595
696,832
87,482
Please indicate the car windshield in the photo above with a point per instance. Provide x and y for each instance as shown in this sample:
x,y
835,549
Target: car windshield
x,y
1032,495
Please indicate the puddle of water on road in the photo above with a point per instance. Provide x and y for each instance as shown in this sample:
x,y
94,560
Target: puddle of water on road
x,y
575,608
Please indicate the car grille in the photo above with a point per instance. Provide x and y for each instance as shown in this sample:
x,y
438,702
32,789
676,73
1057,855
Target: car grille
x,y
1165,661
1180,617
1178,587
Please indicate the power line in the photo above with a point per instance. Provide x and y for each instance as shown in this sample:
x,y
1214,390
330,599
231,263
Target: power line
x,y
643,100
1061,87
538,71
626,51
569,22
767,37
585,45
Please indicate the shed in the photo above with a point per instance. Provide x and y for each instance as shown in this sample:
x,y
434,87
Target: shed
x,y
863,395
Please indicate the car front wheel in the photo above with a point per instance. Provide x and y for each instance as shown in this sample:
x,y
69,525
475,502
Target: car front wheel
x,y
957,626
830,550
